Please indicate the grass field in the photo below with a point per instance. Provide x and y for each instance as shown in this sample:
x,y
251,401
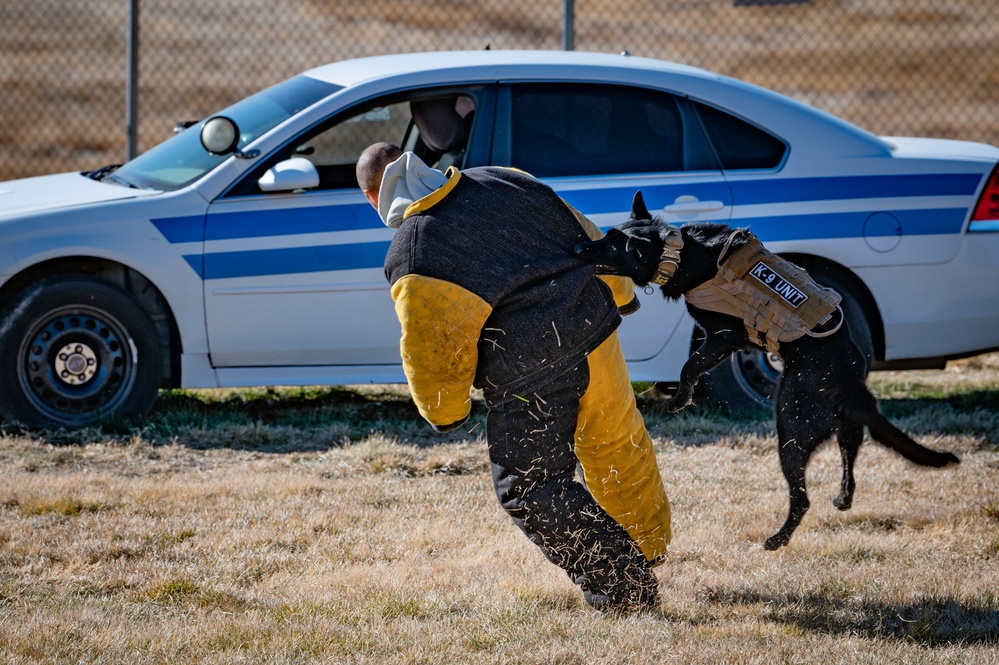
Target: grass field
x,y
331,525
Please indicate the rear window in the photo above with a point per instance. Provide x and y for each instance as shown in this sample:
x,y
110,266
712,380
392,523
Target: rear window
x,y
738,144
572,129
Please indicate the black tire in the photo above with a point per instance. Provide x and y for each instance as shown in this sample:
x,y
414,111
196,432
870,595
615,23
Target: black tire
x,y
744,384
75,349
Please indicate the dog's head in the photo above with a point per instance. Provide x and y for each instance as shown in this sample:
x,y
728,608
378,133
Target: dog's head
x,y
633,249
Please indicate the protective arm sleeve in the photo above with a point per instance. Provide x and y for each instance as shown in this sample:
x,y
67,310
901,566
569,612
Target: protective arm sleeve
x,y
623,288
441,323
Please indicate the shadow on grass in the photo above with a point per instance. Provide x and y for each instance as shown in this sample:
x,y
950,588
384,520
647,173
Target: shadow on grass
x,y
650,401
305,407
973,413
266,420
967,402
929,621
293,420
301,419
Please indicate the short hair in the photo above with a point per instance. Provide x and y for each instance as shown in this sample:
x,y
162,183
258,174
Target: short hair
x,y
372,162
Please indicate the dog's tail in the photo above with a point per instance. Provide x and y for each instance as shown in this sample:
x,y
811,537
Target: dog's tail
x,y
885,433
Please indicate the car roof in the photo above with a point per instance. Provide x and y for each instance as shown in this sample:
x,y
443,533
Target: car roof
x,y
805,127
509,63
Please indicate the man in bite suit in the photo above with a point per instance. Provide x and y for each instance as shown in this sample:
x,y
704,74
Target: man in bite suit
x,y
489,294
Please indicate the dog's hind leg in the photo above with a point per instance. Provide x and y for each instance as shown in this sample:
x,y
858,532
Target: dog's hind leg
x,y
793,459
850,436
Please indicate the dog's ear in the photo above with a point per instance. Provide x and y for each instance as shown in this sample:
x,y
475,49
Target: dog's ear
x,y
638,209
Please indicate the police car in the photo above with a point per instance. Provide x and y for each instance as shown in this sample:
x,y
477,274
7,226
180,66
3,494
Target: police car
x,y
240,251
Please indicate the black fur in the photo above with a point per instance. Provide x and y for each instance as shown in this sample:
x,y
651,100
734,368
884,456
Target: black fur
x,y
822,390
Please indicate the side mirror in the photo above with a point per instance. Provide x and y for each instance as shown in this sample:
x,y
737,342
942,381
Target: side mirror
x,y
289,175
219,135
182,125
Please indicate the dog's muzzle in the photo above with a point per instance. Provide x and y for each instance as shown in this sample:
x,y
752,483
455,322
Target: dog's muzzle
x,y
669,260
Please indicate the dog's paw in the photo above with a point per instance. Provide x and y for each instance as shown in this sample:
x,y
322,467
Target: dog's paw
x,y
843,503
776,541
678,404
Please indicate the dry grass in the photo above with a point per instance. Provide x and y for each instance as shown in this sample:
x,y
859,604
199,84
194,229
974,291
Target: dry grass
x,y
327,526
330,526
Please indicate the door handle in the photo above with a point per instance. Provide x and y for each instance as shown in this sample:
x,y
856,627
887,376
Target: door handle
x,y
695,206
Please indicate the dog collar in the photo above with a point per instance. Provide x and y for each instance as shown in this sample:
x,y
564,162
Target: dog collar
x,y
669,260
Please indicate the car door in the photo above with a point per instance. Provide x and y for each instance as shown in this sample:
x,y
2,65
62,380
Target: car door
x,y
296,278
596,145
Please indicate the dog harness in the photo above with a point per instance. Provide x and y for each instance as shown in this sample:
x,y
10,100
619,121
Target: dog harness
x,y
776,300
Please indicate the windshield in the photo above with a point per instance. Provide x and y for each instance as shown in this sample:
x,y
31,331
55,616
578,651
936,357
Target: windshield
x,y
181,160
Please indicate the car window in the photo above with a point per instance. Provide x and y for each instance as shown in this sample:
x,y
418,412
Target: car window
x,y
738,144
579,129
181,160
435,127
343,142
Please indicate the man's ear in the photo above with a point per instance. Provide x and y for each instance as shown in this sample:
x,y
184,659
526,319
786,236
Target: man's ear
x,y
372,197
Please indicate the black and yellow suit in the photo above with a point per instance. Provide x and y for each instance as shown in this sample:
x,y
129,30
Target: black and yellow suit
x,y
490,295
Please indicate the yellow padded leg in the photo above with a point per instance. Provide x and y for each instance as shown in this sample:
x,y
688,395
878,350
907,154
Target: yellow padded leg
x,y
616,454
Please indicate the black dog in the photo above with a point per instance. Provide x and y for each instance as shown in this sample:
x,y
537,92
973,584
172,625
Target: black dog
x,y
822,390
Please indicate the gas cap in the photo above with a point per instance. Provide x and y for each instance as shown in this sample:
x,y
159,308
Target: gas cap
x,y
882,232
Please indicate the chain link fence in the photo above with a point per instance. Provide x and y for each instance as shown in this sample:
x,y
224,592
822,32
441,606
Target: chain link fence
x,y
895,67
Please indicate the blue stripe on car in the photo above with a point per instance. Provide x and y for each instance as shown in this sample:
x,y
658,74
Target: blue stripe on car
x,y
753,192
594,201
851,224
222,265
601,200
262,223
267,223
760,191
181,229
252,263
312,220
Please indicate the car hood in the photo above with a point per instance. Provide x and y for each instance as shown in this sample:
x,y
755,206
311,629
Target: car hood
x,y
52,192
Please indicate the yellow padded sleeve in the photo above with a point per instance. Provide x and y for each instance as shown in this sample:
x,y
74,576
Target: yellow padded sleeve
x,y
441,323
623,288
616,454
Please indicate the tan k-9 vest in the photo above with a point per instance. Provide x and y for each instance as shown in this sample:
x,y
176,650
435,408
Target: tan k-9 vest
x,y
776,300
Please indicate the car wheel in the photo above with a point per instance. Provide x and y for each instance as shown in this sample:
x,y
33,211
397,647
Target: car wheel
x,y
75,349
744,383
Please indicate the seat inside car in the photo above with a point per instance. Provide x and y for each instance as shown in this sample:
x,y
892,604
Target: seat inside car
x,y
443,127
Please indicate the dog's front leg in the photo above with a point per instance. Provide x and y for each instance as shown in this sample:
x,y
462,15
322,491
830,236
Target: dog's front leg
x,y
794,456
716,347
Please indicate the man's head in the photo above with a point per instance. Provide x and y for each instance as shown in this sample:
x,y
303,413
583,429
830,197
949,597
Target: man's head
x,y
371,166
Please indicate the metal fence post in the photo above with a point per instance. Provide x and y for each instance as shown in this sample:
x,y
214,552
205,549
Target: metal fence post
x,y
567,25
132,82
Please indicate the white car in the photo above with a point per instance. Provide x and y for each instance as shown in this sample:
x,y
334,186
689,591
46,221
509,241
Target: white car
x,y
240,251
